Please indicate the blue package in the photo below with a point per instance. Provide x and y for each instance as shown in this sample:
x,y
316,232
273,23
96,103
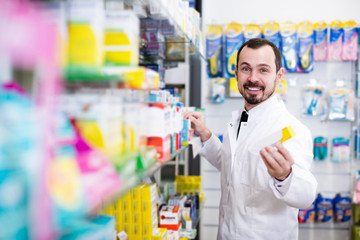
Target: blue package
x,y
323,209
307,215
214,51
320,148
342,208
233,40
14,205
341,149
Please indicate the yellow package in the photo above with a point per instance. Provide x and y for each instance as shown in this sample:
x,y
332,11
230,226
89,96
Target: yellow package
x,y
252,31
85,29
271,32
233,40
121,38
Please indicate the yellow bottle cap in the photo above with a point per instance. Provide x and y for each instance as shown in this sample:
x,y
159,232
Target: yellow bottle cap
x,y
287,133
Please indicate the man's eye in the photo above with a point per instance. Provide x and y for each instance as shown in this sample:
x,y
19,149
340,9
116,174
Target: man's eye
x,y
246,69
263,70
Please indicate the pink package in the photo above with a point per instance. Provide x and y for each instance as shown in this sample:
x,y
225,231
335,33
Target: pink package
x,y
320,41
99,176
335,41
349,52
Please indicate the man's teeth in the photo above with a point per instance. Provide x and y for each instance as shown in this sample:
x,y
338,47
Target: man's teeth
x,y
254,89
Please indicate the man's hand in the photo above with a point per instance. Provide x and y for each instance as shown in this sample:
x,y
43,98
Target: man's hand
x,y
277,160
198,124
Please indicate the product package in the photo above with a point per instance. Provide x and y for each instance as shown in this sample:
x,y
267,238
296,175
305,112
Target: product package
x,y
350,41
335,41
85,29
323,209
307,215
341,149
341,104
218,90
158,129
271,32
121,38
214,51
252,31
320,148
342,208
281,90
305,32
289,46
314,100
64,181
320,41
233,88
233,40
14,207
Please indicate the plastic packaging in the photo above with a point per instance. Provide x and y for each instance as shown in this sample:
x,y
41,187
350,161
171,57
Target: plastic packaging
x,y
271,32
233,40
305,32
341,104
341,149
323,209
289,47
214,51
314,100
335,41
307,215
218,90
252,31
350,41
320,148
342,208
320,41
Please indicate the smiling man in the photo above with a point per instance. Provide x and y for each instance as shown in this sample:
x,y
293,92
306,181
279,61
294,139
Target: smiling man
x,y
263,182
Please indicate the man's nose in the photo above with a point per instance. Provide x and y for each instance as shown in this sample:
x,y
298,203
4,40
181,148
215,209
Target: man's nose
x,y
253,76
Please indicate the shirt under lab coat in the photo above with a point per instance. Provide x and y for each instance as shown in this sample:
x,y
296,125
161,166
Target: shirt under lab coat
x,y
253,204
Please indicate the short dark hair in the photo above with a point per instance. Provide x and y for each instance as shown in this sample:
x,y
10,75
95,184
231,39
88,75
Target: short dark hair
x,y
256,43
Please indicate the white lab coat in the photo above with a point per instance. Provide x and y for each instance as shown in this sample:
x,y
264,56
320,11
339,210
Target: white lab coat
x,y
252,205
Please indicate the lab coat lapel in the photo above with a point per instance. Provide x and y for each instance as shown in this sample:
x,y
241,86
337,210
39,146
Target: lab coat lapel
x,y
232,130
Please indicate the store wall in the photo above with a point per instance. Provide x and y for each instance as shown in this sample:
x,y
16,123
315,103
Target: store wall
x,y
331,178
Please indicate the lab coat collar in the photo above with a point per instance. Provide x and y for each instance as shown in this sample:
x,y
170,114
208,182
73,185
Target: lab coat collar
x,y
270,104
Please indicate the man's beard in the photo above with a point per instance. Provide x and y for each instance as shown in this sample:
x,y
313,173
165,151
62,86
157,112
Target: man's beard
x,y
253,98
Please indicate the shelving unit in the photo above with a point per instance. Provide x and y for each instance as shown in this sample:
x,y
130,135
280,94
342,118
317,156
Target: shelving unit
x,y
113,83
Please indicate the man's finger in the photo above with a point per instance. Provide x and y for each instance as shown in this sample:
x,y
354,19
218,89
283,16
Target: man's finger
x,y
285,153
269,161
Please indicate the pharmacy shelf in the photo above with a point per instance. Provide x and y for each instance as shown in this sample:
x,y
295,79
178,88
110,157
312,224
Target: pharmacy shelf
x,y
135,179
156,9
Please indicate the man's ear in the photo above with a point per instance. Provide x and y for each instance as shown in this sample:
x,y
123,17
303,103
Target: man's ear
x,y
280,75
236,71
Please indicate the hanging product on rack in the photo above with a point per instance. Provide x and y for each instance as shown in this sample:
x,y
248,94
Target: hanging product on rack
x,y
350,41
323,209
218,90
313,96
335,40
214,51
307,215
289,46
341,149
342,208
271,32
341,104
252,31
305,32
320,148
233,40
320,41
281,90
